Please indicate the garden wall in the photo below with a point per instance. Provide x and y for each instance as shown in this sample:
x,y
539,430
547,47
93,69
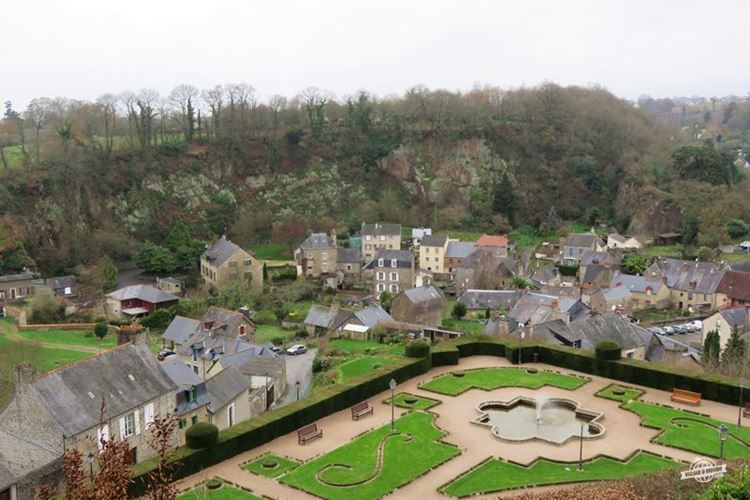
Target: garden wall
x,y
58,326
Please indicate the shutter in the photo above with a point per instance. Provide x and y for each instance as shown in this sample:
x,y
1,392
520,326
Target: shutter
x,y
148,415
122,427
137,419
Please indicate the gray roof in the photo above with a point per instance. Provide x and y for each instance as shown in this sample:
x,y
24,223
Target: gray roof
x,y
9,278
585,240
594,272
741,266
221,251
180,373
591,257
224,387
545,274
146,293
616,293
257,361
423,294
554,332
348,255
404,259
637,284
61,282
616,237
608,327
433,240
690,276
180,329
318,241
736,316
371,315
381,229
489,299
125,377
459,249
21,456
320,316
538,308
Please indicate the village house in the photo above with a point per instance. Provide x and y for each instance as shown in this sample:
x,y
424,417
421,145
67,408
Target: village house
x,y
598,261
533,308
670,351
725,321
483,269
423,305
179,331
575,245
115,394
390,271
618,241
191,404
489,300
322,319
349,264
317,255
612,299
546,276
432,253
547,251
63,286
417,233
175,286
455,253
379,236
497,244
138,300
224,262
693,285
360,325
733,290
646,291
17,286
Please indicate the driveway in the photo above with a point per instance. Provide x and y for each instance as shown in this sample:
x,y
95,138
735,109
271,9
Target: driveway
x,y
298,368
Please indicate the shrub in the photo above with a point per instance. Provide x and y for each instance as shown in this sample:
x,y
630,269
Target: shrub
x,y
735,484
101,329
608,350
418,349
158,319
459,310
202,435
277,340
302,334
737,228
317,364
214,483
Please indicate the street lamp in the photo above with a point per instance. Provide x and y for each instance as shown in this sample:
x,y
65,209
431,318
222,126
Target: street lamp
x,y
392,385
723,432
297,384
580,452
91,465
520,349
743,381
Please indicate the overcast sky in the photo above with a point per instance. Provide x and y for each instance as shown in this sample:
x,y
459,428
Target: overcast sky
x,y
83,48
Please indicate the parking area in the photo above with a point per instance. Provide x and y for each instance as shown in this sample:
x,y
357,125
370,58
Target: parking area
x,y
688,333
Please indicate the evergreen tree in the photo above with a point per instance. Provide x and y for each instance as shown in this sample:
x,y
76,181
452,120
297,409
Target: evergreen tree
x,y
504,198
711,349
733,357
106,273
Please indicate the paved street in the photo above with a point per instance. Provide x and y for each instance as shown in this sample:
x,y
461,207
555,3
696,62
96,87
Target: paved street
x,y
297,368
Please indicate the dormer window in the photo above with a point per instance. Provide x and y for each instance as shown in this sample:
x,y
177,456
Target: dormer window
x,y
192,394
394,262
242,330
381,262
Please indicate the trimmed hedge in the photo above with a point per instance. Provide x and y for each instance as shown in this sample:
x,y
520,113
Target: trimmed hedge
x,y
608,349
444,354
202,435
417,349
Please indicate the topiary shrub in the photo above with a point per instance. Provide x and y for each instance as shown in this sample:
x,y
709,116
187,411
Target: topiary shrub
x,y
202,435
214,483
317,364
101,329
608,350
417,349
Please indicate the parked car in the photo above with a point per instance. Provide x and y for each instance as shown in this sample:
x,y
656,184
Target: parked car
x,y
681,329
656,330
277,349
697,325
165,354
296,349
668,330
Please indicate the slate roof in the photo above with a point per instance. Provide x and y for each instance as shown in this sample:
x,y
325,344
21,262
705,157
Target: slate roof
x,y
616,293
553,332
602,258
740,266
489,299
537,308
420,232
180,329
489,240
586,240
616,237
223,337
257,361
735,285
381,229
21,456
690,276
404,259
433,240
224,387
9,278
318,241
423,294
545,274
459,249
221,251
634,283
372,315
348,255
736,316
61,282
146,293
320,316
180,373
125,377
609,326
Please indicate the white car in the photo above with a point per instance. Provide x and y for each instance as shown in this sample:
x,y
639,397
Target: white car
x,y
668,330
296,349
696,325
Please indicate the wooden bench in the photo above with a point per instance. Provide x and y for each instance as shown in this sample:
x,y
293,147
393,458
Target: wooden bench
x,y
746,410
687,397
361,410
308,433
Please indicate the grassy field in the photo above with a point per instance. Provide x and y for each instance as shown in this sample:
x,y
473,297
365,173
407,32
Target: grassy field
x,y
270,465
71,337
412,401
265,333
376,462
497,475
735,257
271,251
663,251
458,234
453,384
360,366
464,325
629,393
366,347
226,492
691,431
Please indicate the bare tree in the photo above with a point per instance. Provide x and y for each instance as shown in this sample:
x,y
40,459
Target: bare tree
x,y
214,99
276,104
141,111
315,100
183,99
161,439
37,113
108,103
243,100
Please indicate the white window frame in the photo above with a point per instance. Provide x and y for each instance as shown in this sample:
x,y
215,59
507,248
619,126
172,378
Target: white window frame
x,y
368,237
394,263
127,425
382,238
381,275
148,415
381,262
380,287
394,276
394,288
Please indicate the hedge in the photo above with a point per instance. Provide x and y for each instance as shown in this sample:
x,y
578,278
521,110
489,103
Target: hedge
x,y
276,423
417,349
608,349
444,354
202,435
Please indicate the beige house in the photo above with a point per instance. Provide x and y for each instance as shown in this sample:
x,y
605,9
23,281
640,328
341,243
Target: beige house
x,y
17,286
725,320
421,306
497,244
616,240
646,291
614,299
693,285
573,246
432,253
379,236
390,271
225,261
317,255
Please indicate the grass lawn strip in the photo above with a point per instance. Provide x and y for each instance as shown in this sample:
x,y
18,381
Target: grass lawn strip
x,y
691,431
404,400
367,347
225,492
377,462
455,383
360,366
270,465
70,337
612,392
495,475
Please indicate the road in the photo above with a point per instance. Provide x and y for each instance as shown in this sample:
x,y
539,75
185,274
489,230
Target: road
x,y
298,368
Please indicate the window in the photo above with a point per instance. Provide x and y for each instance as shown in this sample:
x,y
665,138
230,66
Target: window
x,y
368,247
127,425
324,267
242,330
183,423
394,262
232,264
570,252
348,267
325,256
381,262
68,290
368,237
192,394
394,288
382,238
194,419
230,415
248,263
394,276
195,369
381,287
381,275
148,414
2,294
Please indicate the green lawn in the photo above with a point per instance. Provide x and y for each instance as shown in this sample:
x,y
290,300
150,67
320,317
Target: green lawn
x,y
265,333
498,475
458,234
360,366
366,346
736,257
691,431
270,465
463,325
663,251
629,393
488,379
271,251
412,401
51,358
71,337
377,462
226,492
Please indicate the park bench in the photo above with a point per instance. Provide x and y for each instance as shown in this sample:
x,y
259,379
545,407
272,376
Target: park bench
x,y
687,397
308,433
360,410
746,410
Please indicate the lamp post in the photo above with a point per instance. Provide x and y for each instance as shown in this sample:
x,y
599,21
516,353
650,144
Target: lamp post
x,y
520,349
723,432
297,384
90,458
743,381
392,385
580,452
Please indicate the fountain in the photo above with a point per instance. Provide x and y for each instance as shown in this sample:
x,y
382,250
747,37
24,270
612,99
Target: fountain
x,y
554,420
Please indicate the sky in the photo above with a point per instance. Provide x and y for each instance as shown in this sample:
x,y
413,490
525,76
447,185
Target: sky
x,y
84,48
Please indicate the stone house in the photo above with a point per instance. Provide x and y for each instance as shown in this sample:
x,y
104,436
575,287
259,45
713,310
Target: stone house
x,y
179,331
423,306
534,308
693,285
612,299
480,301
349,264
733,290
225,261
455,253
646,291
175,286
138,300
17,286
618,241
360,325
432,253
391,271
725,321
379,236
498,244
116,393
63,286
483,269
317,255
573,246
191,404
322,319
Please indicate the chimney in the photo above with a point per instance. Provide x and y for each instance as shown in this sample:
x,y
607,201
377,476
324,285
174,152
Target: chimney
x,y
334,236
135,333
554,305
24,374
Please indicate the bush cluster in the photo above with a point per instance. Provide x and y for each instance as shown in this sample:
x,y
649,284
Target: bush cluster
x,y
202,435
417,349
608,350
